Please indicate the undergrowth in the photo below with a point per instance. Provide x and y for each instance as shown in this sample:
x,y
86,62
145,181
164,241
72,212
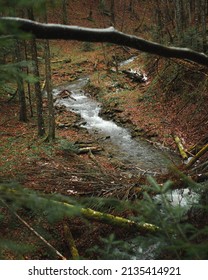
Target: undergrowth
x,y
182,234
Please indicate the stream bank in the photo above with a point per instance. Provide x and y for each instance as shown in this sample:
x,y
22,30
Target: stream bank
x,y
136,154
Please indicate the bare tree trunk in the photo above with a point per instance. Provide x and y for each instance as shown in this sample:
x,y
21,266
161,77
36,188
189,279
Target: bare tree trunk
x,y
203,24
65,11
131,6
197,15
51,116
38,93
112,9
189,11
178,18
20,87
28,84
159,20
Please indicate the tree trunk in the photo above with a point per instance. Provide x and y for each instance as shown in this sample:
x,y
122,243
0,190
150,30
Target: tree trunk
x,y
65,11
28,84
51,114
38,93
51,117
131,6
203,25
159,20
178,17
20,87
112,9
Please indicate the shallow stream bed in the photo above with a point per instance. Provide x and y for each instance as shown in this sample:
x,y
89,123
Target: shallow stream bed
x,y
139,155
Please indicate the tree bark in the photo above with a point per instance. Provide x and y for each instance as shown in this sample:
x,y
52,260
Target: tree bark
x,y
28,84
38,93
197,156
20,87
112,9
64,11
178,16
111,35
51,113
204,25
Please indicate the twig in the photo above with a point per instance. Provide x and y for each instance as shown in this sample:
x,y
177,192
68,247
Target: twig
x,y
34,232
1,124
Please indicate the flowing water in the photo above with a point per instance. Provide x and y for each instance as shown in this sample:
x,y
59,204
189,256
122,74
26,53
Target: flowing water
x,y
139,155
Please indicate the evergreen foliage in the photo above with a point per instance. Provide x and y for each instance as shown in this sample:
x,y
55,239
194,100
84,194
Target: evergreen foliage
x,y
183,226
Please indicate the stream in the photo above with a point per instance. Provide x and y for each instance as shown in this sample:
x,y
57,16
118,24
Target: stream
x,y
138,155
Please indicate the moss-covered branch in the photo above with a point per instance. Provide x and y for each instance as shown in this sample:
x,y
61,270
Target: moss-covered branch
x,y
197,156
35,201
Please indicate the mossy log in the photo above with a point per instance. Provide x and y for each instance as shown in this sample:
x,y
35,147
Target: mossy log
x,y
91,149
197,156
71,243
198,146
32,200
180,147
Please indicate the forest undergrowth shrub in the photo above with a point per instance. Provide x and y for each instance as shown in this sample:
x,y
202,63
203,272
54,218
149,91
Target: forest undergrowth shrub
x,y
192,40
176,79
183,226
87,47
68,147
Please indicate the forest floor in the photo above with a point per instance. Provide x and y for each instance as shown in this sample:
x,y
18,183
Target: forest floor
x,y
49,168
146,109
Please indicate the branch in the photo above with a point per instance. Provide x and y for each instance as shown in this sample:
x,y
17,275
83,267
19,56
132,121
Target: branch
x,y
197,156
34,232
110,35
27,199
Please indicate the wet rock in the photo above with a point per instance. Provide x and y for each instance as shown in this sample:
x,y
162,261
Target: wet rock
x,y
63,125
80,123
60,108
64,94
136,75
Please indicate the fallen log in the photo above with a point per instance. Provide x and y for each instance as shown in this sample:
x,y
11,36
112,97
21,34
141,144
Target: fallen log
x,y
71,243
32,200
180,147
101,35
197,156
197,147
93,149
